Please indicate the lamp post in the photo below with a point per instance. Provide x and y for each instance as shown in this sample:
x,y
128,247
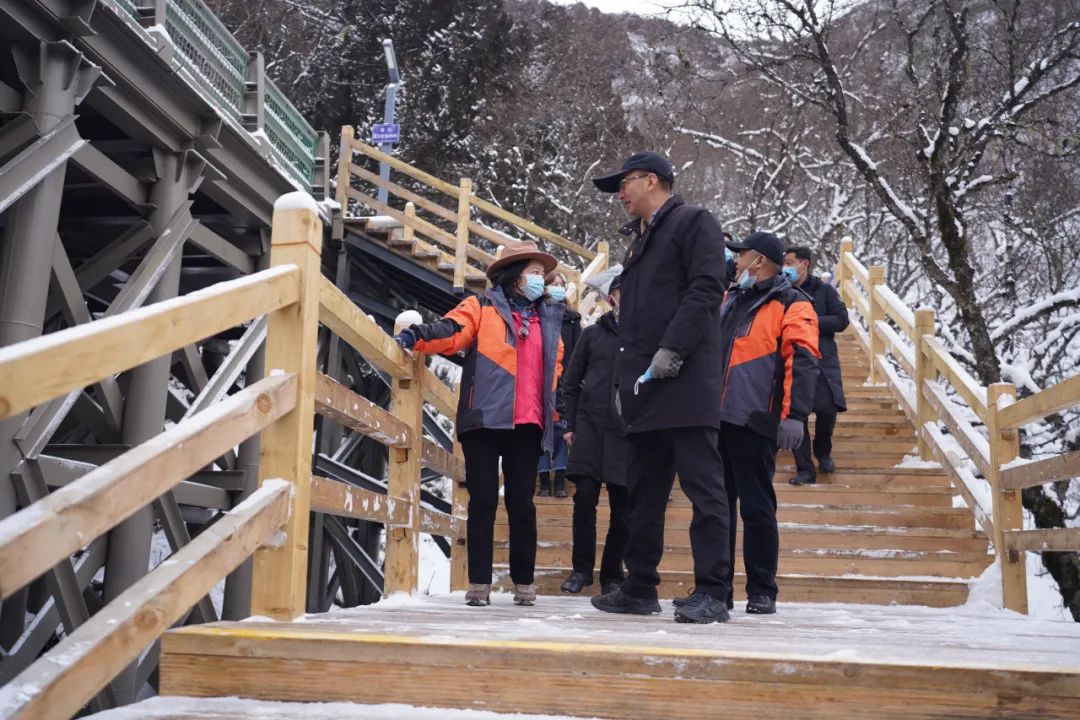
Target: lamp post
x,y
388,110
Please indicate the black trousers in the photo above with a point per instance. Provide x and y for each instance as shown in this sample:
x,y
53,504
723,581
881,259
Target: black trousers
x,y
749,465
586,498
655,458
519,450
825,414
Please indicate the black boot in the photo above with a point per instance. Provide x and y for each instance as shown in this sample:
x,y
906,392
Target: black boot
x,y
702,608
760,605
560,483
576,582
826,464
804,477
545,485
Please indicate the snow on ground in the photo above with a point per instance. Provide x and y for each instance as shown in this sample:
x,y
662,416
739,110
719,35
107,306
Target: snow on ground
x,y
168,707
434,568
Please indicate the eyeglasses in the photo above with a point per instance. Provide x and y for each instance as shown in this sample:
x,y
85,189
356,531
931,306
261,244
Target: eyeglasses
x,y
626,180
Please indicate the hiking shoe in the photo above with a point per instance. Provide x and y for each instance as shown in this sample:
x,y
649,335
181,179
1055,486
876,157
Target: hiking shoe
x,y
681,601
702,608
803,477
760,605
575,582
524,594
826,464
478,595
619,602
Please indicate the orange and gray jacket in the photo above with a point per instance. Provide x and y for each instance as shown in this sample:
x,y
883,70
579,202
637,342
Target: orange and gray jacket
x,y
483,327
771,355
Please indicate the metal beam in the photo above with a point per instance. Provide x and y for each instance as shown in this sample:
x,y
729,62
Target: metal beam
x,y
221,249
10,99
230,370
102,168
129,242
23,172
339,535
16,135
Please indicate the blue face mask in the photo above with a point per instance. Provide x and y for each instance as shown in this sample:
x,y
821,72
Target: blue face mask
x,y
728,254
556,293
746,280
792,273
534,287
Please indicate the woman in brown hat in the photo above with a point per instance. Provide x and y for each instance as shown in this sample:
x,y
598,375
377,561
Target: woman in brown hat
x,y
513,357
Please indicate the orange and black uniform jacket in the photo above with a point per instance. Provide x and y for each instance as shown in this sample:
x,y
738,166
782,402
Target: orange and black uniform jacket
x,y
483,327
770,355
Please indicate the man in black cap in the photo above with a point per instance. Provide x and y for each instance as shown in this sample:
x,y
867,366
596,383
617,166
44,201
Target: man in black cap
x,y
769,366
668,386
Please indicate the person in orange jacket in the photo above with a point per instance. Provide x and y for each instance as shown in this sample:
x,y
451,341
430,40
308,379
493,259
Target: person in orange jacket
x,y
506,409
770,366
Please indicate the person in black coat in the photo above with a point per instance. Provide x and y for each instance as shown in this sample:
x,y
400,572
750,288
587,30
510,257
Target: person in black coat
x,y
829,394
555,462
598,450
668,386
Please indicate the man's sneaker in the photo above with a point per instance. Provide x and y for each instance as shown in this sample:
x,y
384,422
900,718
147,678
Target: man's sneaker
x,y
760,605
524,594
680,601
620,602
803,477
826,464
478,595
575,582
609,586
702,608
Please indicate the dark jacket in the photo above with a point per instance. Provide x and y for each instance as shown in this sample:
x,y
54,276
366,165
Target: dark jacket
x,y
587,404
483,327
571,332
672,285
770,356
832,318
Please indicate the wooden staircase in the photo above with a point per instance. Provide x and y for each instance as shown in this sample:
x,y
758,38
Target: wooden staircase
x,y
869,533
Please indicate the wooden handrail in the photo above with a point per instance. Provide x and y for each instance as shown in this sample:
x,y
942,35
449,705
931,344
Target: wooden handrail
x,y
343,406
1055,398
1038,472
965,385
37,371
1043,540
344,500
896,309
976,446
41,535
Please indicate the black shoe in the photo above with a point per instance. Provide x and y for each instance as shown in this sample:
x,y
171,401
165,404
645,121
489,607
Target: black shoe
x,y
760,605
826,464
560,484
575,582
804,477
609,586
545,485
620,602
702,608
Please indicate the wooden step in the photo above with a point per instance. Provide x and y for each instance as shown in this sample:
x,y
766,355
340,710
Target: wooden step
x,y
928,592
820,561
796,536
565,658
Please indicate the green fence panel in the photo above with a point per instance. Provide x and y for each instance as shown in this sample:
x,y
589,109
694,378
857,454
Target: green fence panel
x,y
207,48
294,141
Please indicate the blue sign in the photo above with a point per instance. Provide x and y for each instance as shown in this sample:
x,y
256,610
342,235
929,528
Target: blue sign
x,y
384,133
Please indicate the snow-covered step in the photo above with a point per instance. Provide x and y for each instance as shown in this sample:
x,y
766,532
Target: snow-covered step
x,y
802,561
562,657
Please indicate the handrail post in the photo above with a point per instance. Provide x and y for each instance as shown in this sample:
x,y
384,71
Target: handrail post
x,y
877,312
462,245
924,370
344,171
459,556
1008,509
403,479
279,585
408,232
846,246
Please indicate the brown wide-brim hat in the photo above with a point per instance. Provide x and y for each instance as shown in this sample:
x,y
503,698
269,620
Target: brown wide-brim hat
x,y
523,250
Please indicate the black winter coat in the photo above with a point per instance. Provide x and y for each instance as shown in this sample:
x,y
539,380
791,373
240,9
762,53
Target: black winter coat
x,y
832,318
672,286
587,405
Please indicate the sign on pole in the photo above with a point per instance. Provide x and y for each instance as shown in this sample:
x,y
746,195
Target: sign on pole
x,y
385,133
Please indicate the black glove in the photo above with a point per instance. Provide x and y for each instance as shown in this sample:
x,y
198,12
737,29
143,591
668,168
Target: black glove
x,y
406,339
790,434
665,364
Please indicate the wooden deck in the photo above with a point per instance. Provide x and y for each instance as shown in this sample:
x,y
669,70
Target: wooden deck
x,y
563,657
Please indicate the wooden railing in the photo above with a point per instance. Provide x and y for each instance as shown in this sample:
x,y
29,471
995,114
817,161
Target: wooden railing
x,y
896,335
272,522
454,243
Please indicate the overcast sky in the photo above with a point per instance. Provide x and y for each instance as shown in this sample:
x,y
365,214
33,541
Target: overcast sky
x,y
639,7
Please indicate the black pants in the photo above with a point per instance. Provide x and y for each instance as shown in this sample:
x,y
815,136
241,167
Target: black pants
x,y
655,457
749,465
519,450
586,498
825,419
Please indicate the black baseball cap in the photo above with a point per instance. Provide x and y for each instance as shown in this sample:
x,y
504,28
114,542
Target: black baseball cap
x,y
765,243
615,284
649,161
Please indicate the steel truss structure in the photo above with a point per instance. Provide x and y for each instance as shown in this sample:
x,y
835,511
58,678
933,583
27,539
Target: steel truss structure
x,y
131,173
